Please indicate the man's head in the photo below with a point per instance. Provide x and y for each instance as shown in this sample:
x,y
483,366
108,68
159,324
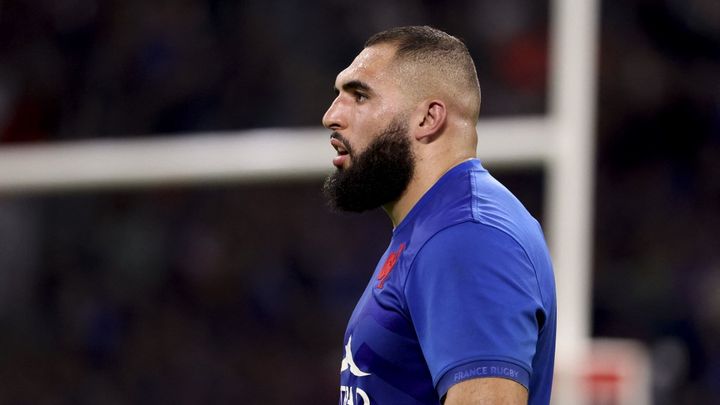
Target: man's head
x,y
410,98
430,63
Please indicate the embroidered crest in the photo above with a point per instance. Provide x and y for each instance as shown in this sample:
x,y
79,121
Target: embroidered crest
x,y
388,266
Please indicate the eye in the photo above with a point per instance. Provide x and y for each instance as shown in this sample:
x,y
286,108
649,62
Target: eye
x,y
360,97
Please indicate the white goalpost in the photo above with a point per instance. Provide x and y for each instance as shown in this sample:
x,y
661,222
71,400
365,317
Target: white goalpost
x,y
251,155
561,142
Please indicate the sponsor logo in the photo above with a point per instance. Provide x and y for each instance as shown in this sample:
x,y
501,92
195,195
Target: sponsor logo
x,y
353,396
388,266
349,364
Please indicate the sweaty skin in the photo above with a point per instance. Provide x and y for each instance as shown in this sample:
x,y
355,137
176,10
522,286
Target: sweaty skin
x,y
370,96
487,391
442,130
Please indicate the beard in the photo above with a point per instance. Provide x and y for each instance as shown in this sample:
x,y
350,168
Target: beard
x,y
377,176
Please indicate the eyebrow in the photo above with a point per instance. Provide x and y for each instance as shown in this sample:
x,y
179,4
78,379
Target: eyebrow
x,y
353,86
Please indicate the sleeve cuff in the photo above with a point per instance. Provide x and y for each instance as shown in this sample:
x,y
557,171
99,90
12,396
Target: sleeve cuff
x,y
482,369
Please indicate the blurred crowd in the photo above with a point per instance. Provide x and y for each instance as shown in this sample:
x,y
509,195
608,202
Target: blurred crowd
x,y
241,293
88,68
657,262
210,295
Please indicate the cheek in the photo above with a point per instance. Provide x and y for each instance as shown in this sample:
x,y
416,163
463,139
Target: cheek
x,y
361,136
368,126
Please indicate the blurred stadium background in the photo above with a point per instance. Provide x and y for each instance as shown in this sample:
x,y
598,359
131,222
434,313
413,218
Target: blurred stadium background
x,y
224,283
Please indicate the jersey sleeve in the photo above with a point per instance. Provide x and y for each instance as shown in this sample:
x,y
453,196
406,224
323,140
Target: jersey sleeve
x,y
474,299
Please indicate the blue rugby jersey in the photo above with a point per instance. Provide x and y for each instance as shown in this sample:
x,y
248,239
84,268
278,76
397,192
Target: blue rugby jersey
x,y
465,290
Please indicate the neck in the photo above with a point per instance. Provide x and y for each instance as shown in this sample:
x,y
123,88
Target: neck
x,y
427,173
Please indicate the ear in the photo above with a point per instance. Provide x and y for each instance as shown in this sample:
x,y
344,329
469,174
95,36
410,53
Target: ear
x,y
432,118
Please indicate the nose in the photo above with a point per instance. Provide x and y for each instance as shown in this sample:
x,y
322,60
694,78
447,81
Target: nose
x,y
334,118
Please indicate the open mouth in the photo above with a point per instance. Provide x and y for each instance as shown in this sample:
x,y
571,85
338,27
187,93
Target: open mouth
x,y
339,147
342,152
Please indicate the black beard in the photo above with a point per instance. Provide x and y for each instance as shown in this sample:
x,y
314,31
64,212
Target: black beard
x,y
377,176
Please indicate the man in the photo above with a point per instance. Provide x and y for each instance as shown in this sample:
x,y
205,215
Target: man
x,y
461,307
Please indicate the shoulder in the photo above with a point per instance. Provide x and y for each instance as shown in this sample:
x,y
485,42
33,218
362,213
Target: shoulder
x,y
478,259
472,256
472,240
494,205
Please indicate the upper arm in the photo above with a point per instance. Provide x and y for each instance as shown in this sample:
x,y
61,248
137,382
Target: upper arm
x,y
487,391
473,298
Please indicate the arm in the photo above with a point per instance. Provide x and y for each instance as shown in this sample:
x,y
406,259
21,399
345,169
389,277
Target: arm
x,y
487,391
473,298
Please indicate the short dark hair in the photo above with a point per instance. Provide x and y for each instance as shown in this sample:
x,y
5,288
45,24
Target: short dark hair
x,y
418,40
434,48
